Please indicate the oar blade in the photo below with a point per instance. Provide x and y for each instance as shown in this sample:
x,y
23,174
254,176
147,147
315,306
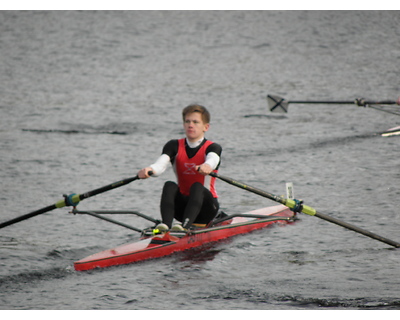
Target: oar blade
x,y
277,104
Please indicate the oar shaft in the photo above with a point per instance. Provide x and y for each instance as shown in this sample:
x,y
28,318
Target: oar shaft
x,y
107,188
72,198
305,209
27,216
357,229
321,102
363,102
249,188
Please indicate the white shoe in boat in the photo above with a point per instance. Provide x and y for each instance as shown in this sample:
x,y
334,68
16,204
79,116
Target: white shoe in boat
x,y
177,227
162,227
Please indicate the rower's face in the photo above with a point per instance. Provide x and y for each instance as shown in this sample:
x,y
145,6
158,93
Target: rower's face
x,y
194,126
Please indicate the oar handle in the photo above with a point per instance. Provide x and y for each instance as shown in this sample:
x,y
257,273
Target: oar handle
x,y
322,102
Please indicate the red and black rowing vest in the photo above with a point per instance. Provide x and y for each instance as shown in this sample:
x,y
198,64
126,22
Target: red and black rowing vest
x,y
185,169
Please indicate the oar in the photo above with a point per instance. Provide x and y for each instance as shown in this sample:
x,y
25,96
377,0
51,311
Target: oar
x,y
297,206
71,200
279,104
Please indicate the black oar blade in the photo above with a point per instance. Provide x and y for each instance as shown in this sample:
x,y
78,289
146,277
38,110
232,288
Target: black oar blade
x,y
277,104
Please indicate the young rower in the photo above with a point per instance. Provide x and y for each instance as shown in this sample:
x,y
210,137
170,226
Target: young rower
x,y
194,198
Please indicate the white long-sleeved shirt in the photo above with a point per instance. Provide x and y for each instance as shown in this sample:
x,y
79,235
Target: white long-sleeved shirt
x,y
164,161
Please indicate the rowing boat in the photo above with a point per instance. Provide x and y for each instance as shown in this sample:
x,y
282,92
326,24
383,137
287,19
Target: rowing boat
x,y
155,246
152,245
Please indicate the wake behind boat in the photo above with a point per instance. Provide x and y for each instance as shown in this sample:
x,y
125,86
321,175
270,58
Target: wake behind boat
x,y
152,246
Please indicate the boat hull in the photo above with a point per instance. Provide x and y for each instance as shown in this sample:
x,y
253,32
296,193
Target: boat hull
x,y
168,243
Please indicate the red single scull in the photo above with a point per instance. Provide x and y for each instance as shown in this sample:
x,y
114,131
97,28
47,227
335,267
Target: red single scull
x,y
160,245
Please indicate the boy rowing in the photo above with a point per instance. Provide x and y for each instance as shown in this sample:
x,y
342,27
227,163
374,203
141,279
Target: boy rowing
x,y
193,199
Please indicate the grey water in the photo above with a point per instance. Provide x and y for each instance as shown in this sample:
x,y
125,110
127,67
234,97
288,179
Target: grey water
x,y
88,98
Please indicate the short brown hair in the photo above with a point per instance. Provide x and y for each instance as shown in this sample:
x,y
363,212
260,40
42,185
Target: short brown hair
x,y
205,115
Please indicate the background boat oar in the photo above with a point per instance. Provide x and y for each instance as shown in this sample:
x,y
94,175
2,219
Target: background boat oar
x,y
279,104
294,204
71,200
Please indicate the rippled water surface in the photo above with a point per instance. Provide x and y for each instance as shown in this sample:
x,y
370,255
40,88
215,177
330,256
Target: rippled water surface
x,y
88,98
